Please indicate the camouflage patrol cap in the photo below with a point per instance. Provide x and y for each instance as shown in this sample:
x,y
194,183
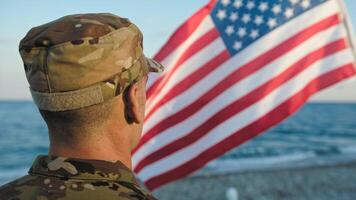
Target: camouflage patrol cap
x,y
82,60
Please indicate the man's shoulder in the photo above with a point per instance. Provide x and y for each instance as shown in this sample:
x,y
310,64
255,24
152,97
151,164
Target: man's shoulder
x,y
38,187
18,187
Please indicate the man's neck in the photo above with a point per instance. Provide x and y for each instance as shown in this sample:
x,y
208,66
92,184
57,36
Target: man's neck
x,y
110,148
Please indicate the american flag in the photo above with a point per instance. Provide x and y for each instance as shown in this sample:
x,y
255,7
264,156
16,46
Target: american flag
x,y
235,69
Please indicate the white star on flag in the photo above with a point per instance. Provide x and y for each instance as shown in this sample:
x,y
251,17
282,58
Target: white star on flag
x,y
225,2
272,22
229,30
221,14
276,9
250,5
294,1
305,4
289,13
237,4
258,20
263,6
254,34
237,45
233,16
241,32
246,18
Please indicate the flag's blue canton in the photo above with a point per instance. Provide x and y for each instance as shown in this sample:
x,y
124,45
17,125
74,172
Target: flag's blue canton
x,y
241,22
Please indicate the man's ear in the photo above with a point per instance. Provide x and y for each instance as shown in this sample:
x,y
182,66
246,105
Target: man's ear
x,y
132,104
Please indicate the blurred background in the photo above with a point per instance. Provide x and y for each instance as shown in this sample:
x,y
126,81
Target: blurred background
x,y
322,134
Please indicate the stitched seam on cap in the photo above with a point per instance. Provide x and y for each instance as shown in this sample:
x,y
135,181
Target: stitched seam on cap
x,y
103,39
46,70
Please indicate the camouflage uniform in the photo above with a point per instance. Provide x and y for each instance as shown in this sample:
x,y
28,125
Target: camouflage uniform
x,y
72,63
66,178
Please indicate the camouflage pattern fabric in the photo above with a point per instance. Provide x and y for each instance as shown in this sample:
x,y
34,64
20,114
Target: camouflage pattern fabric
x,y
83,59
56,178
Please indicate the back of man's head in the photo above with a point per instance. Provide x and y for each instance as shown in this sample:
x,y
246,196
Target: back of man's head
x,y
85,73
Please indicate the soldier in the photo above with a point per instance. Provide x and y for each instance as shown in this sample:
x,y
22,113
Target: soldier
x,y
87,75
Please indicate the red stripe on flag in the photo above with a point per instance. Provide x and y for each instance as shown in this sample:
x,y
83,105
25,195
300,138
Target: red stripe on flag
x,y
190,80
184,31
267,121
198,45
242,103
238,75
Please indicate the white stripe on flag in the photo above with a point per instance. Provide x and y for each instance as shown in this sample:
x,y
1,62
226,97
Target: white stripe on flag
x,y
189,66
205,26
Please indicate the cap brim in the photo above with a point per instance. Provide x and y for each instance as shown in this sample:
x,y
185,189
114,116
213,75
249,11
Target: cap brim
x,y
154,66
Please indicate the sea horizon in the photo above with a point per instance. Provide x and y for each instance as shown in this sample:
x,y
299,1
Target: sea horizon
x,y
320,132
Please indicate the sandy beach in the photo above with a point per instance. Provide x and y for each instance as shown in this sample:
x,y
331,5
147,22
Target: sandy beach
x,y
315,181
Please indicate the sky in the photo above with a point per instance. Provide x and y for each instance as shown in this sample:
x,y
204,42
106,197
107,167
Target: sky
x,y
156,18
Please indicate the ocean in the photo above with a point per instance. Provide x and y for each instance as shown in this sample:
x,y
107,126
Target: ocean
x,y
316,130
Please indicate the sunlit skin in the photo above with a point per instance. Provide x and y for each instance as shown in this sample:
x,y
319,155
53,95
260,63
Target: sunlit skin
x,y
117,138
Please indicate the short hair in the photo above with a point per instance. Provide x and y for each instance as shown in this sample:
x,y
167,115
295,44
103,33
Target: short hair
x,y
73,125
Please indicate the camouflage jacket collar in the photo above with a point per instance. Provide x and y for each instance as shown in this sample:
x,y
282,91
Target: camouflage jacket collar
x,y
72,168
